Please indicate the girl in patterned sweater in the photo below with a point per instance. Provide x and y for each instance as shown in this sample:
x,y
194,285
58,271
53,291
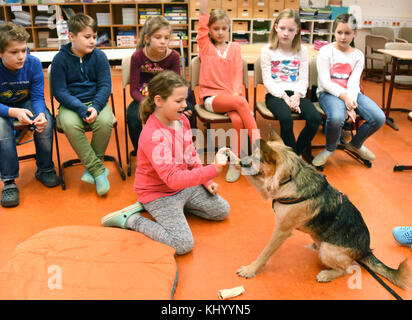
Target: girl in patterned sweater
x,y
284,63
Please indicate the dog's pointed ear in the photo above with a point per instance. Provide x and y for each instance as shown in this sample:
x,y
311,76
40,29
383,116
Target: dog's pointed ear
x,y
266,151
274,136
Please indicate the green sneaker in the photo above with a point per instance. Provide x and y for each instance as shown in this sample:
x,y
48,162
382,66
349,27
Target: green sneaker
x,y
102,183
118,219
87,177
232,175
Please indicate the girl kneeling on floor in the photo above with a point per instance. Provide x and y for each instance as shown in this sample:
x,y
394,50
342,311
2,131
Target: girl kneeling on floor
x,y
170,178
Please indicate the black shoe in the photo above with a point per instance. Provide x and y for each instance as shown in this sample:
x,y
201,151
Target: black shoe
x,y
49,179
10,196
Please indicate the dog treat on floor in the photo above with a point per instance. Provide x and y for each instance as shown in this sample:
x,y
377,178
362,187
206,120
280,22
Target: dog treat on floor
x,y
231,293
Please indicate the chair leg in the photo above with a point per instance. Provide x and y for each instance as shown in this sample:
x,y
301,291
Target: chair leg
x,y
119,161
128,155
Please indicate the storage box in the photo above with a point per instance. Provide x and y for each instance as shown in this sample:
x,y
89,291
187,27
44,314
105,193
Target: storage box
x,y
275,7
244,12
292,4
276,4
245,4
215,4
226,4
240,26
231,12
260,12
194,12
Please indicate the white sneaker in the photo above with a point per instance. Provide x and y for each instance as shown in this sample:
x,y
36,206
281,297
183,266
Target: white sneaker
x,y
321,158
362,152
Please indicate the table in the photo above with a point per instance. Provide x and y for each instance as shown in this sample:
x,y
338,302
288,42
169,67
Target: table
x,y
398,57
112,54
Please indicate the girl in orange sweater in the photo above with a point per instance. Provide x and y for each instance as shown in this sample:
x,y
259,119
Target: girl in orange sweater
x,y
221,77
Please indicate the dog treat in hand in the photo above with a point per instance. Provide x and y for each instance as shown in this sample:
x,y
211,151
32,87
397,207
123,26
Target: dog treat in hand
x,y
221,159
232,157
230,293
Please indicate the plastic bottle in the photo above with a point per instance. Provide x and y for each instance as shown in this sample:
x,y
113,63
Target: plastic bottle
x,y
62,31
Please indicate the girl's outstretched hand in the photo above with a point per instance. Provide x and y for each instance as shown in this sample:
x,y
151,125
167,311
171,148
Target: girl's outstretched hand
x,y
221,159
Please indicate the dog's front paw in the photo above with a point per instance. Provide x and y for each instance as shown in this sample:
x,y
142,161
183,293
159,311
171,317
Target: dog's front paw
x,y
246,271
323,276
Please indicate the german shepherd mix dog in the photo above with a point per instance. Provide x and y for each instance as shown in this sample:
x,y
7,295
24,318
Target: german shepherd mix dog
x,y
304,200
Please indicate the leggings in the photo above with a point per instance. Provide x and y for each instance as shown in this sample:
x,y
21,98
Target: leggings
x,y
282,111
171,227
239,113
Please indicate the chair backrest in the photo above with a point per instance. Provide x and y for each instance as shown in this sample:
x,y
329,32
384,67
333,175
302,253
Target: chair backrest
x,y
406,33
400,40
50,82
194,72
375,42
126,71
388,32
398,46
257,73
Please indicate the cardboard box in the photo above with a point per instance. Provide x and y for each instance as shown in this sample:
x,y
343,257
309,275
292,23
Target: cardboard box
x,y
292,4
244,4
215,4
275,7
244,12
194,13
229,4
260,12
231,12
240,26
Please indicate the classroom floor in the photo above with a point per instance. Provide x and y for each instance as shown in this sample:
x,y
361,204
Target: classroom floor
x,y
222,247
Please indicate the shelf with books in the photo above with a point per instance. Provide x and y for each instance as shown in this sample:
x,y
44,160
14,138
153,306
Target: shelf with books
x,y
114,19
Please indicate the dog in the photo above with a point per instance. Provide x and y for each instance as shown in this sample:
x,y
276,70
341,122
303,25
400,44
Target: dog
x,y
304,200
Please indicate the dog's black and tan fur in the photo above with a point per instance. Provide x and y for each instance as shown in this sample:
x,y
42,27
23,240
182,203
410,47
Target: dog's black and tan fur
x,y
304,200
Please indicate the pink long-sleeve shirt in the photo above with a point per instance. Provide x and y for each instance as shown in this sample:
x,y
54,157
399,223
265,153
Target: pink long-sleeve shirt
x,y
167,161
220,72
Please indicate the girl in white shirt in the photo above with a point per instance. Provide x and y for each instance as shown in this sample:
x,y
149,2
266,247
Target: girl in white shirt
x,y
284,63
339,70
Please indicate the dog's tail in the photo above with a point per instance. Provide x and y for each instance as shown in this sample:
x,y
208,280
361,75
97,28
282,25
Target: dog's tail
x,y
398,276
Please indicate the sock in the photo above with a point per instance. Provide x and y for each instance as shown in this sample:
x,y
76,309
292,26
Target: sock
x,y
9,182
326,152
132,221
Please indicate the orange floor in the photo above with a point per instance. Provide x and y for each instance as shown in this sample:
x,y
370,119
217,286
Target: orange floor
x,y
220,248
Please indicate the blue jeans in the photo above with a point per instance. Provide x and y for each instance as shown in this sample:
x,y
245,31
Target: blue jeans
x,y
9,163
335,111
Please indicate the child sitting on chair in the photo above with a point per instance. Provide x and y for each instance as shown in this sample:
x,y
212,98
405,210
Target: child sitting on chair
x,y
22,98
82,84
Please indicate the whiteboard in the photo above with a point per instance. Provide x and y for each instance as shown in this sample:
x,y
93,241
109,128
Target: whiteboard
x,y
383,8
